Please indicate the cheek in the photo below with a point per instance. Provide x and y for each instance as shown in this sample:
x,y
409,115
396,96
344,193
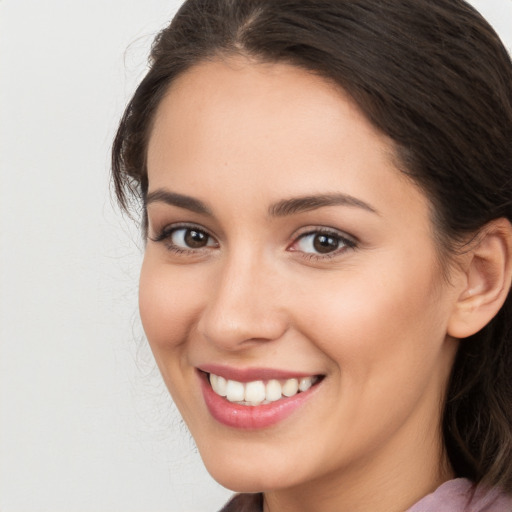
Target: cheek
x,y
167,304
384,338
369,318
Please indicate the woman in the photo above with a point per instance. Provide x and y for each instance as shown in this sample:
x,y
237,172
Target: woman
x,y
326,193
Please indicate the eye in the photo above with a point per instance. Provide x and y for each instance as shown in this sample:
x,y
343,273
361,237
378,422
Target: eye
x,y
322,243
182,239
190,238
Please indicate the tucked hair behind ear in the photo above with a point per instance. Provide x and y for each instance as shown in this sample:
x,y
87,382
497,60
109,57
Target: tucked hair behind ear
x,y
433,76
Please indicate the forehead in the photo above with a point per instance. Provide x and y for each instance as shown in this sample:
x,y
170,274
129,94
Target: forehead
x,y
270,128
273,93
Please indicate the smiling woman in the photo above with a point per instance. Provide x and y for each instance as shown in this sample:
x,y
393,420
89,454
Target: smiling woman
x,y
325,287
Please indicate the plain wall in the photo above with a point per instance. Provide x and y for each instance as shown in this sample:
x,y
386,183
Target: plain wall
x,y
85,422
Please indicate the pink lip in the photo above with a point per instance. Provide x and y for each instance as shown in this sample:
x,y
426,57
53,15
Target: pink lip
x,y
250,374
251,417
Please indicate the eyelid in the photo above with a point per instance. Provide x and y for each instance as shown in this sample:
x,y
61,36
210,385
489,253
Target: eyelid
x,y
168,229
165,235
326,230
349,241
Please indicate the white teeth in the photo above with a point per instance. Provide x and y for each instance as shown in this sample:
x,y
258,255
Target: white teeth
x,y
257,392
214,379
219,384
222,385
235,391
305,383
273,390
290,387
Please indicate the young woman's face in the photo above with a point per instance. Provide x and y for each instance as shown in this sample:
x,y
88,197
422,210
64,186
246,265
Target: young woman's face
x,y
286,251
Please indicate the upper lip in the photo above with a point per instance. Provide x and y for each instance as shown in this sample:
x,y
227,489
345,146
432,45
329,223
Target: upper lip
x,y
252,374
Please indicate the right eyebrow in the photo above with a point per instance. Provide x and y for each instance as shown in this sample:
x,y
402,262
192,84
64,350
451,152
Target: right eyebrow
x,y
174,199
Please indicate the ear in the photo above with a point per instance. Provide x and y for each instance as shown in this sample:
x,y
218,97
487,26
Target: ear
x,y
487,279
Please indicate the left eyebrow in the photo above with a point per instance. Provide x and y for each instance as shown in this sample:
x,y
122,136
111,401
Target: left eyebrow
x,y
313,202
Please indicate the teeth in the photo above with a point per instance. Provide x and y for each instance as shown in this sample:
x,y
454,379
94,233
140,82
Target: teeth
x,y
219,384
305,383
291,387
235,391
257,392
273,390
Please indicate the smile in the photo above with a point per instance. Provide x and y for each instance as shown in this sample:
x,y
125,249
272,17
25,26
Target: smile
x,y
258,392
255,399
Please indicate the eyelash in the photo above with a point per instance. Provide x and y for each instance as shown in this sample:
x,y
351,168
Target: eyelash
x,y
346,242
166,233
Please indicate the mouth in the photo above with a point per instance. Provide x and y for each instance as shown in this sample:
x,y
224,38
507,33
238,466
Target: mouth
x,y
260,392
241,400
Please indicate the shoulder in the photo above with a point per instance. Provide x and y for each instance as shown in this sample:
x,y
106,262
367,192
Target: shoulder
x,y
461,495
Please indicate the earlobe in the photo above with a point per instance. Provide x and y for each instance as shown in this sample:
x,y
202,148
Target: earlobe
x,y
488,276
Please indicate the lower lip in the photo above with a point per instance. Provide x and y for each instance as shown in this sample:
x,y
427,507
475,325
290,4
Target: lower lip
x,y
249,416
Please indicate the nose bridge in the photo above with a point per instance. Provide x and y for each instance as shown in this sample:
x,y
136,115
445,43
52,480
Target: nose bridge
x,y
243,304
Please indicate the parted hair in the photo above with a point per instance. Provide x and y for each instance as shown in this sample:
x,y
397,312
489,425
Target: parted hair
x,y
434,77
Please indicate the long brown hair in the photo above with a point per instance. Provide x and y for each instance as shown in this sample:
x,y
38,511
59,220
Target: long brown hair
x,y
433,76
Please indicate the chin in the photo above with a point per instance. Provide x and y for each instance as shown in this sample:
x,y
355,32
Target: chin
x,y
242,474
246,483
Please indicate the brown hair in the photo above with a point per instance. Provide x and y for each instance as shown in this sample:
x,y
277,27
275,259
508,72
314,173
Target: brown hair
x,y
433,76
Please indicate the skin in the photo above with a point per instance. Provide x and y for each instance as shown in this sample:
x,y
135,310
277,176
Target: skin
x,y
241,136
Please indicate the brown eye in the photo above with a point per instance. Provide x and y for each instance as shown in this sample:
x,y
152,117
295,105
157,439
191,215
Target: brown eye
x,y
195,239
322,243
191,238
325,243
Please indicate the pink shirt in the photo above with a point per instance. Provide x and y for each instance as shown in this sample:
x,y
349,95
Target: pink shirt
x,y
458,495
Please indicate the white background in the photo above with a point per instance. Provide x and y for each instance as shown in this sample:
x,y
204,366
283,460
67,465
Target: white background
x,y
85,422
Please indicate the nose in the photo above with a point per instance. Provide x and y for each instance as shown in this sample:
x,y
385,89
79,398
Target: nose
x,y
245,305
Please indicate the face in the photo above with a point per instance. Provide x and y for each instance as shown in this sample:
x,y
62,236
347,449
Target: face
x,y
291,290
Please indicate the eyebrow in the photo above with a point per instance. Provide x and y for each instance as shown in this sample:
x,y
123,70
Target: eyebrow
x,y
282,208
312,202
179,200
